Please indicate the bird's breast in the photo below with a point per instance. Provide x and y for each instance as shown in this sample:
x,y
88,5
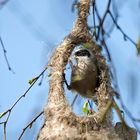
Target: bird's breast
x,y
84,79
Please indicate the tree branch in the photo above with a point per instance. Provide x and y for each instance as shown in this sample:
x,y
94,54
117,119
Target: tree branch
x,y
30,125
5,56
121,30
16,102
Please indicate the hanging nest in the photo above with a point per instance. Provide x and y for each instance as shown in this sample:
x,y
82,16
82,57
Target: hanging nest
x,y
60,122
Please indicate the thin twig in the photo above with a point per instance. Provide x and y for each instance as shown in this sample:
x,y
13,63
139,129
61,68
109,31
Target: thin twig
x,y
72,104
121,30
15,103
30,124
97,13
97,26
4,131
94,19
5,56
90,105
106,48
103,19
41,80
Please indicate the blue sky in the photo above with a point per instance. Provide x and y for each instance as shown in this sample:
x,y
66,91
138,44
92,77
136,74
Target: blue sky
x,y
30,31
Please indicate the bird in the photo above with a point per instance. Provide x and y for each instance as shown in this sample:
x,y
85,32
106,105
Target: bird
x,y
84,73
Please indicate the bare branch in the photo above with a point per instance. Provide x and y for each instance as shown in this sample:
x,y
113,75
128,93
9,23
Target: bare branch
x,y
30,125
121,30
5,56
17,101
102,20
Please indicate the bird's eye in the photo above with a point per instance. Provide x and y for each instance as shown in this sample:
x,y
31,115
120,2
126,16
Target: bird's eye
x,y
82,53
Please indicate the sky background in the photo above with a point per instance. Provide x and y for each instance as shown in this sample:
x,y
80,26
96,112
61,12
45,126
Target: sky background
x,y
30,30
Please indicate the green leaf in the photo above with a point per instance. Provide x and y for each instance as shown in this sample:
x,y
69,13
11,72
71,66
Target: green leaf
x,y
2,114
85,108
32,80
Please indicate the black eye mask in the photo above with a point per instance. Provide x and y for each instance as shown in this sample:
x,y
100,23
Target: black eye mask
x,y
82,53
